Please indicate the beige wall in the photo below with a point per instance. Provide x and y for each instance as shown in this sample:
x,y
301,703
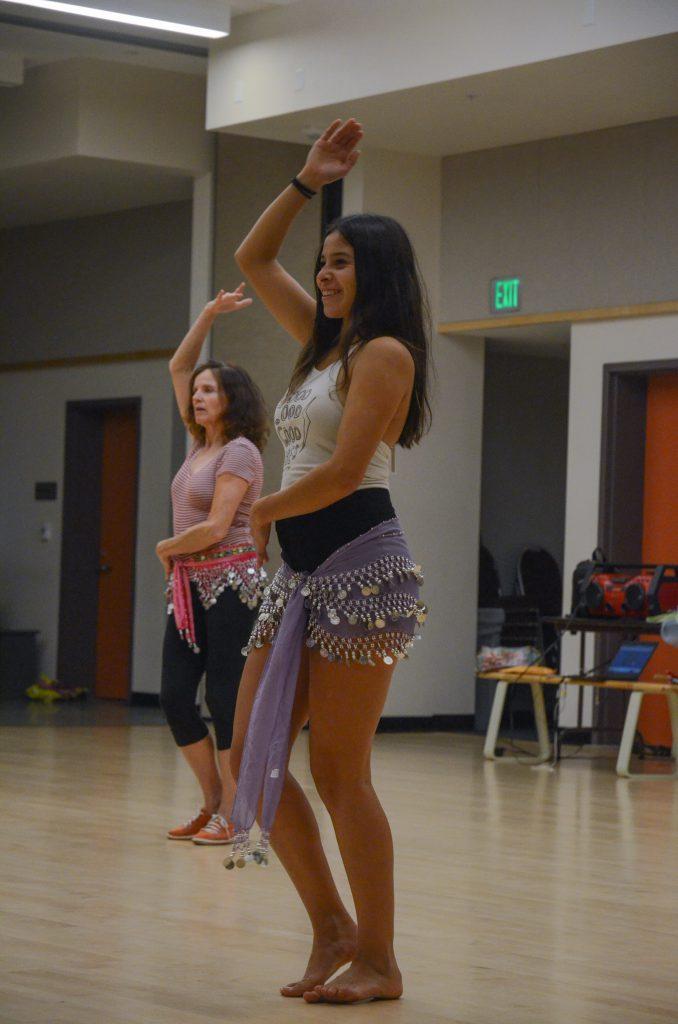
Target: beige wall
x,y
106,110
436,487
250,173
95,285
593,346
34,413
585,221
167,130
39,121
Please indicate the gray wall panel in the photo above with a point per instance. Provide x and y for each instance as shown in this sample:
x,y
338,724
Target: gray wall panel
x,y
250,174
586,220
112,283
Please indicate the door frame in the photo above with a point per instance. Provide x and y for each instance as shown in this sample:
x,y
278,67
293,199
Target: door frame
x,y
80,538
621,495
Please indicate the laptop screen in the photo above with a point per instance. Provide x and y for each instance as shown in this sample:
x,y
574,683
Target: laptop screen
x,y
630,660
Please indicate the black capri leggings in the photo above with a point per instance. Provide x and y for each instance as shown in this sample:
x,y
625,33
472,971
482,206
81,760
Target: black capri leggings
x,y
220,632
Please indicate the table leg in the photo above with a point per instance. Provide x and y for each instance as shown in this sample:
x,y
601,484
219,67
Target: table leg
x,y
629,733
556,724
582,672
495,720
541,723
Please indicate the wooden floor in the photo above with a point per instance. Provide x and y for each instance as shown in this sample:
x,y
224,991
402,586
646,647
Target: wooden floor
x,y
525,896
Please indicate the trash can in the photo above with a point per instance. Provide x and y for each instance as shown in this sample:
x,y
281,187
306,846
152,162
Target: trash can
x,y
19,663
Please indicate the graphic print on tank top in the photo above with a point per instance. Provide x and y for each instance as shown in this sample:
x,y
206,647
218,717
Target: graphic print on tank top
x,y
292,421
308,422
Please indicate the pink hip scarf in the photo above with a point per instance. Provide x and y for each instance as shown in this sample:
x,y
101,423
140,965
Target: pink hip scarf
x,y
212,571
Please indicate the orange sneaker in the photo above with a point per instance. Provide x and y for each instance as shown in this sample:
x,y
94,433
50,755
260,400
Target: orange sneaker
x,y
192,827
217,832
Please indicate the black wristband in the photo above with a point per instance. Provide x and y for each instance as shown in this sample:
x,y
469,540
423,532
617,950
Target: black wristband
x,y
306,192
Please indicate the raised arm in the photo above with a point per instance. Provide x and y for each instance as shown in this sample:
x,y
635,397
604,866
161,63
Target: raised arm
x,y
331,157
185,359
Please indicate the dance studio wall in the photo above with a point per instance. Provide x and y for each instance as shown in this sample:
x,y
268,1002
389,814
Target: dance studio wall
x,y
250,173
92,286
33,407
585,221
113,283
436,486
594,345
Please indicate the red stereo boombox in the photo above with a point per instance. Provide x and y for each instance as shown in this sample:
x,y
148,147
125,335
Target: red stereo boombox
x,y
603,590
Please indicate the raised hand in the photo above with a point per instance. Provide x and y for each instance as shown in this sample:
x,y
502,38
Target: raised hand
x,y
332,155
229,302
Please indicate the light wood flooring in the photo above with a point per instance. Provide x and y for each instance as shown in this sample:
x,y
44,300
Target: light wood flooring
x,y
525,896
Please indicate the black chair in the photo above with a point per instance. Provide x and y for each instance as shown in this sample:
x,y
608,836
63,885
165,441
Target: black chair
x,y
538,579
523,628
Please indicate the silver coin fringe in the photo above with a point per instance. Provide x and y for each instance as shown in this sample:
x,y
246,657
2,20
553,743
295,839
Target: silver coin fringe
x,y
242,852
362,597
212,581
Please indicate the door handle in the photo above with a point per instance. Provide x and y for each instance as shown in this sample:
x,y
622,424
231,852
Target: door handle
x,y
105,570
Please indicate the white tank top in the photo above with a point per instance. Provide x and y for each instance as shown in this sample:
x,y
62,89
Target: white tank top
x,y
307,423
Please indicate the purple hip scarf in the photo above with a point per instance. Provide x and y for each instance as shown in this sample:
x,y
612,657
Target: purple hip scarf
x,y
360,606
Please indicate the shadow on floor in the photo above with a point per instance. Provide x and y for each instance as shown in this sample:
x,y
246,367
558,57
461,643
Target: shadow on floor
x,y
89,712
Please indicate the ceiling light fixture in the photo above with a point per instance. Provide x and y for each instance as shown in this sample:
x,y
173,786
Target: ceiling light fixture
x,y
215,17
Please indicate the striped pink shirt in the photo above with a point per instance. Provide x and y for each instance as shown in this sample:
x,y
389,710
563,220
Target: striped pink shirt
x,y
192,493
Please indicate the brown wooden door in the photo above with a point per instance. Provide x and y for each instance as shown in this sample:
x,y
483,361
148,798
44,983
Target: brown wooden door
x,y
117,541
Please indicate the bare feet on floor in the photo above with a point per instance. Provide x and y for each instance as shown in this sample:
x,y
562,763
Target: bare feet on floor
x,y
359,983
328,954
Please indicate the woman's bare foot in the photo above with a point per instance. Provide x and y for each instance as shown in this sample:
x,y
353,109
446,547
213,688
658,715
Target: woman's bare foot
x,y
329,953
359,983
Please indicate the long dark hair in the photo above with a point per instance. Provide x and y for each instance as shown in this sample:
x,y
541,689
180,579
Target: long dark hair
x,y
389,300
245,414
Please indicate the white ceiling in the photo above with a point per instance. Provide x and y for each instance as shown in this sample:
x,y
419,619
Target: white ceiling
x,y
619,85
584,92
45,46
65,36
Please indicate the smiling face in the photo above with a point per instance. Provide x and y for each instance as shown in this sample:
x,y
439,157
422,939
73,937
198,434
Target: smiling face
x,y
208,400
336,277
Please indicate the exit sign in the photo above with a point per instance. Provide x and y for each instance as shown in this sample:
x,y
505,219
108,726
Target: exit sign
x,y
504,294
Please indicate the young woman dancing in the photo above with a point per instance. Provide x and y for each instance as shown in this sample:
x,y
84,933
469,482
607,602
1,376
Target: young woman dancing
x,y
344,606
214,580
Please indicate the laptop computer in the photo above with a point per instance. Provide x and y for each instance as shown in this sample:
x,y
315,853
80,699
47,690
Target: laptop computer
x,y
629,661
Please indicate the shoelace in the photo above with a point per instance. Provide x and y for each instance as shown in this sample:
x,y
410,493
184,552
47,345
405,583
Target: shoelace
x,y
216,823
191,821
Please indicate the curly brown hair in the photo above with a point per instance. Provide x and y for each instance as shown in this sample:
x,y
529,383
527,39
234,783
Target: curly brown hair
x,y
245,414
